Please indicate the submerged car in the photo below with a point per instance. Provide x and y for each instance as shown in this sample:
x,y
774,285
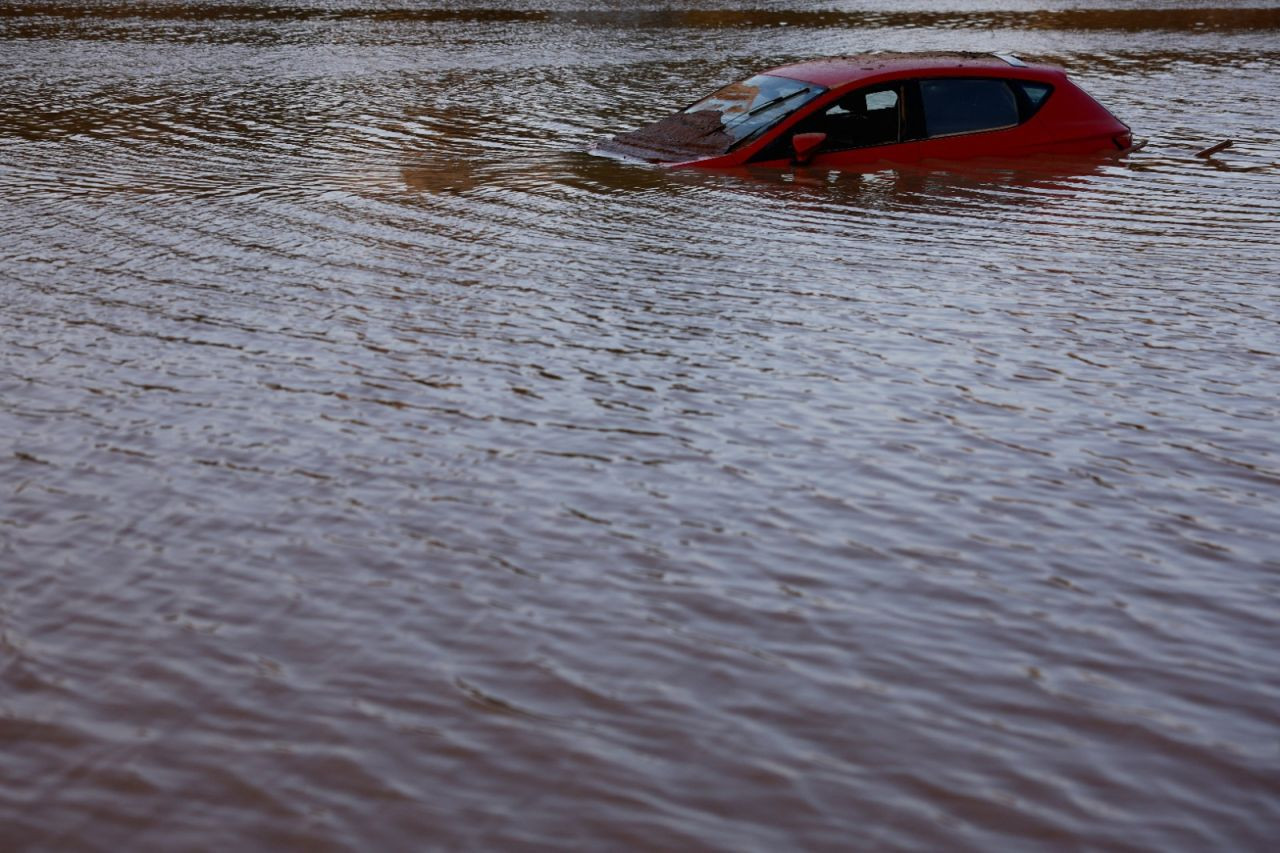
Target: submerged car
x,y
902,107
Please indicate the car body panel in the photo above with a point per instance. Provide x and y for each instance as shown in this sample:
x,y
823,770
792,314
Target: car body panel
x,y
1067,121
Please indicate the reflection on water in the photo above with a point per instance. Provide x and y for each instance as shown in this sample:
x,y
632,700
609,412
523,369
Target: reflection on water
x,y
379,466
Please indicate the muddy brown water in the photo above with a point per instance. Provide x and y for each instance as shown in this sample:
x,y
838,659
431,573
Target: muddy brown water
x,y
380,471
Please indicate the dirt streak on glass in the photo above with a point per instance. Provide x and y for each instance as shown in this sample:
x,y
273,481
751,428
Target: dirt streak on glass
x,y
379,470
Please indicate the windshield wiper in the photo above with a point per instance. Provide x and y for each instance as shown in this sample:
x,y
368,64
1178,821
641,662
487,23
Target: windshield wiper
x,y
769,104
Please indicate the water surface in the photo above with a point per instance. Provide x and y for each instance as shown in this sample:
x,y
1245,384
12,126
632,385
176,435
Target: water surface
x,y
381,471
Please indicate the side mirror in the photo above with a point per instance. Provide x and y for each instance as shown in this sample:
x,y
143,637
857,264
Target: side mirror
x,y
805,145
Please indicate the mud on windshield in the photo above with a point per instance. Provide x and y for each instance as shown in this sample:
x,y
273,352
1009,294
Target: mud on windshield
x,y
719,122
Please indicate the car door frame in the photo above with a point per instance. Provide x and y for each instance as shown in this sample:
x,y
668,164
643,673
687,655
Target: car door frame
x,y
913,144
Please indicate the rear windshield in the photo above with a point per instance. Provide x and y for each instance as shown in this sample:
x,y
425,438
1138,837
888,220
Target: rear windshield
x,y
750,106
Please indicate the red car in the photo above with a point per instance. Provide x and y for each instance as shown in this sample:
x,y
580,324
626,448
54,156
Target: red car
x,y
903,107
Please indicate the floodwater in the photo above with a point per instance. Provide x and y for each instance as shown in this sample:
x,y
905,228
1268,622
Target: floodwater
x,y
381,471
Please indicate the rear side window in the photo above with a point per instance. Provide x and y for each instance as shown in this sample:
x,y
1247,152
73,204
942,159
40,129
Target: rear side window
x,y
1035,92
1033,96
967,106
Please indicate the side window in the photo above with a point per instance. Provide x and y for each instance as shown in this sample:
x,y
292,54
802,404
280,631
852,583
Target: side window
x,y
866,117
1035,92
1034,95
872,116
959,105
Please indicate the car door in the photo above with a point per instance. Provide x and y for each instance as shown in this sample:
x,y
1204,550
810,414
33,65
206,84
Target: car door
x,y
945,118
964,117
861,126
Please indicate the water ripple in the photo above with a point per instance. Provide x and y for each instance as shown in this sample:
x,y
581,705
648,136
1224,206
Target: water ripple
x,y
371,449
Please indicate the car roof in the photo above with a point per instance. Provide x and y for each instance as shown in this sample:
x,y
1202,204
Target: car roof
x,y
836,71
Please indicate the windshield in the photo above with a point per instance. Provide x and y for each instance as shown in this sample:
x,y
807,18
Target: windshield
x,y
747,107
718,123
